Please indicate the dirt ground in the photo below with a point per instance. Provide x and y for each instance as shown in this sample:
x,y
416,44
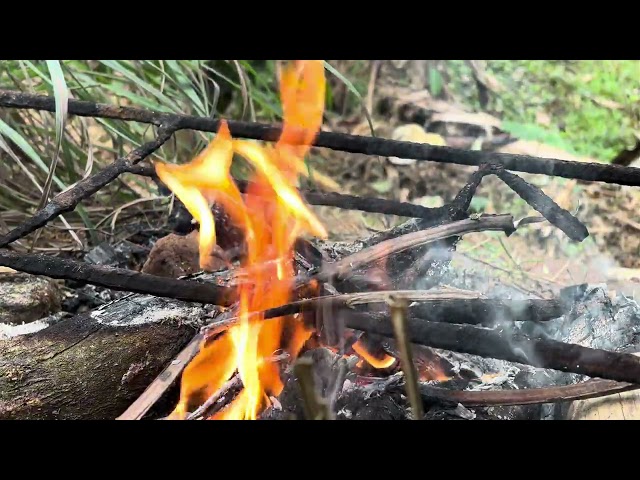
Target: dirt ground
x,y
539,255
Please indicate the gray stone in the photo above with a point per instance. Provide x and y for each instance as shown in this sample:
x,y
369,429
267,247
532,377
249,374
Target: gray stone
x,y
25,298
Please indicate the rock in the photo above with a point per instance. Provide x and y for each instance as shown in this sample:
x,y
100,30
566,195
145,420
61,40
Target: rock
x,y
25,298
177,255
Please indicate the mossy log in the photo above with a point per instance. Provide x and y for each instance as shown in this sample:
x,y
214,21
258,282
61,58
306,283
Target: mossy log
x,y
93,365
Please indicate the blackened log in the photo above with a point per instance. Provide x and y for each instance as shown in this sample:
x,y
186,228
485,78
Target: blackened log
x,y
118,278
94,365
565,357
373,146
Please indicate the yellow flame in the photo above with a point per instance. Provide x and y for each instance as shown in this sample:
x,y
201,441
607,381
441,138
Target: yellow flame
x,y
272,215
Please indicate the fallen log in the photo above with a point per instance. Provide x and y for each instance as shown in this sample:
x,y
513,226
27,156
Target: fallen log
x,y
94,365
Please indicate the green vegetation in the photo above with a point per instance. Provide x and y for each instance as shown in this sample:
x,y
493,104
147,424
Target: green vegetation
x,y
43,153
587,107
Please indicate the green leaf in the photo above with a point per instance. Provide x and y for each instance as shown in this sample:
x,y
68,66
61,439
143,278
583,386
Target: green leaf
x,y
128,74
61,95
382,186
435,82
23,145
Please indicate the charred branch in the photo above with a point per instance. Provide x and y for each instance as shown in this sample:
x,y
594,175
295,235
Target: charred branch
x,y
538,200
339,141
118,278
338,200
521,349
68,200
385,248
438,306
565,393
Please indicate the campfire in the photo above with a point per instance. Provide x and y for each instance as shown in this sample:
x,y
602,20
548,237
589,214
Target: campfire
x,y
281,322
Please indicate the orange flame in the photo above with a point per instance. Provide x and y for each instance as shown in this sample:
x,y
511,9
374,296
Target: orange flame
x,y
385,362
272,215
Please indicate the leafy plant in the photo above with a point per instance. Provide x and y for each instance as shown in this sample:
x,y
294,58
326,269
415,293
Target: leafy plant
x,y
43,153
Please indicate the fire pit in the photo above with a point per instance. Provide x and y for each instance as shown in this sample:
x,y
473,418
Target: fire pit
x,y
296,326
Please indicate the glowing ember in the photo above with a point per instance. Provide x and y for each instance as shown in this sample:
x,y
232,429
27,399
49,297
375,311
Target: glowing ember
x,y
272,215
430,372
384,362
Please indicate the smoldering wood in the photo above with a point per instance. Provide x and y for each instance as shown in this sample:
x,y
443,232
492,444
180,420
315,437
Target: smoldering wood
x,y
68,200
530,396
386,248
94,365
517,348
373,146
433,305
118,278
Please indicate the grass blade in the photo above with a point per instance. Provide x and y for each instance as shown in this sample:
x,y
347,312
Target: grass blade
x,y
353,90
61,96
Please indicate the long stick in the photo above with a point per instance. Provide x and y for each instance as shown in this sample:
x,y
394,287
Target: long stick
x,y
437,305
118,278
385,248
339,141
339,200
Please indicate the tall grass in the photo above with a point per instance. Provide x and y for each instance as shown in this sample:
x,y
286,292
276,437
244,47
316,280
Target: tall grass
x,y
43,153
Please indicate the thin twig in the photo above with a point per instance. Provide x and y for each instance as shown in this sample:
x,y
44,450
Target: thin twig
x,y
118,278
398,308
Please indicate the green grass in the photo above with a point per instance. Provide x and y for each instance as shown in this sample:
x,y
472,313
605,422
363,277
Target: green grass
x,y
593,106
43,153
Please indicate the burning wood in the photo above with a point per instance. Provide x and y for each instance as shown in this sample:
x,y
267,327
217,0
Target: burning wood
x,y
315,317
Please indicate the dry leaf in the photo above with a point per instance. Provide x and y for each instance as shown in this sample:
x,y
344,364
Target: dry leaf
x,y
538,149
603,102
480,119
413,132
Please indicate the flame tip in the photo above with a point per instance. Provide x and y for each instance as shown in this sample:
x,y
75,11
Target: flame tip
x,y
271,223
